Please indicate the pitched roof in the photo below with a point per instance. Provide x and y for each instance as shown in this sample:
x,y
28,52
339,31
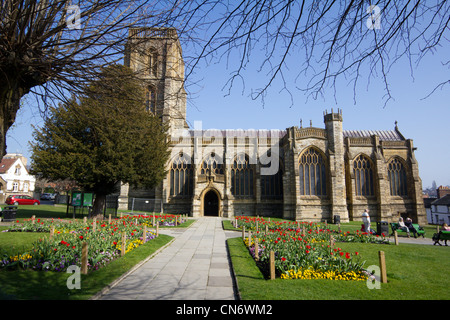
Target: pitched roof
x,y
238,133
444,201
5,164
384,135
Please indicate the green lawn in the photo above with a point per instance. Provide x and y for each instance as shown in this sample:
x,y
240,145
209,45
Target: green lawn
x,y
32,285
39,285
415,272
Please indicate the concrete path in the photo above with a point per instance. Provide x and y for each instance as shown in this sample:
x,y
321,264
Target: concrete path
x,y
195,266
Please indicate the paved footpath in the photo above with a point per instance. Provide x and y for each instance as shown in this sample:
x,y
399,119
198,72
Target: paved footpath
x,y
195,266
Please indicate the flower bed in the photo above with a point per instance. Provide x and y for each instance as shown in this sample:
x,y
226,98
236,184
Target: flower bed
x,y
305,250
64,248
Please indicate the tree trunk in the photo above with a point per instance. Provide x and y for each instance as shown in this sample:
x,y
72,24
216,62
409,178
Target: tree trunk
x,y
99,206
10,96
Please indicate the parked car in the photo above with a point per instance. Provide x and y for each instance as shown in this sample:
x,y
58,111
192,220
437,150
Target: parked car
x,y
21,199
45,196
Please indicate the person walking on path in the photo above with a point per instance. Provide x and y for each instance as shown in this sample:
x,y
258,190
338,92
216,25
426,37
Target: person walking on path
x,y
366,221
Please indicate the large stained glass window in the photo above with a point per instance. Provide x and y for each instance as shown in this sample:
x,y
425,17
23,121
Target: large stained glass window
x,y
212,164
397,178
272,185
312,173
242,175
181,177
363,172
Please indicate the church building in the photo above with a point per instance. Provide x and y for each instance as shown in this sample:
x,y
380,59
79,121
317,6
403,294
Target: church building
x,y
301,173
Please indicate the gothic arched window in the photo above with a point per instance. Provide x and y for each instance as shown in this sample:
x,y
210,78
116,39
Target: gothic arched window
x,y
150,99
242,174
212,164
363,172
153,62
312,173
181,177
272,184
397,178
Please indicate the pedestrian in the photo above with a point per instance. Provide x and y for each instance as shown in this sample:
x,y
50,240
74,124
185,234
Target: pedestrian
x,y
366,221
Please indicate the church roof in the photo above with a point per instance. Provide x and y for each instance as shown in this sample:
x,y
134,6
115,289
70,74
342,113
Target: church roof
x,y
238,133
384,135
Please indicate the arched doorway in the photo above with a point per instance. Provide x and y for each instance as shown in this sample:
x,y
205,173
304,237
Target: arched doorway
x,y
211,204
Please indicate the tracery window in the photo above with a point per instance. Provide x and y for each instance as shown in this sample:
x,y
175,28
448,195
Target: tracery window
x,y
272,184
397,178
242,173
363,172
150,99
312,173
153,62
212,164
181,177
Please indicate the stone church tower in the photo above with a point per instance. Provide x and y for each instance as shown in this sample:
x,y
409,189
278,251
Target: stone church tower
x,y
156,56
321,174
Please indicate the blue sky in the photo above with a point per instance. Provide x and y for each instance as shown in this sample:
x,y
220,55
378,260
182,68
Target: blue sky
x,y
424,120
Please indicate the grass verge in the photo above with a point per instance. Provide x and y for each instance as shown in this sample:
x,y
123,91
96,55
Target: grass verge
x,y
38,285
415,272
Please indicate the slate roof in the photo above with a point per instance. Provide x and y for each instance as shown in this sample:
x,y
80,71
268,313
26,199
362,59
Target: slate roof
x,y
238,133
444,201
384,135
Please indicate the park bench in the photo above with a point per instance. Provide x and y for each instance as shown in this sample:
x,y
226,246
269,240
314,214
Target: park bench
x,y
442,235
420,230
8,213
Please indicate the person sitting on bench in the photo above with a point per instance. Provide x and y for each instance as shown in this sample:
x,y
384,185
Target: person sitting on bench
x,y
402,226
410,227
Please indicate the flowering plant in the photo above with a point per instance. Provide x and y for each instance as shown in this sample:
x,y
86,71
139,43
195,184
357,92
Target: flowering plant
x,y
303,250
65,247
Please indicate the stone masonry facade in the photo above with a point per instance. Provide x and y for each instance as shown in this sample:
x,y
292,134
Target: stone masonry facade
x,y
300,173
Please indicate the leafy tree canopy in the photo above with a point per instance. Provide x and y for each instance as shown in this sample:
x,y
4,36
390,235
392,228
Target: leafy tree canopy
x,y
103,137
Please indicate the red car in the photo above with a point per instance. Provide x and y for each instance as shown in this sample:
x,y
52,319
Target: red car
x,y
21,199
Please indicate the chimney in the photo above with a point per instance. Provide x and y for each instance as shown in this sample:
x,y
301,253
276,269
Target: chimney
x,y
442,191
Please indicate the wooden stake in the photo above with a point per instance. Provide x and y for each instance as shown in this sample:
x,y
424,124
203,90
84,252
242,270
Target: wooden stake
x,y
52,232
256,249
109,219
243,233
33,219
144,234
124,239
396,238
249,239
157,229
84,258
272,265
382,267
